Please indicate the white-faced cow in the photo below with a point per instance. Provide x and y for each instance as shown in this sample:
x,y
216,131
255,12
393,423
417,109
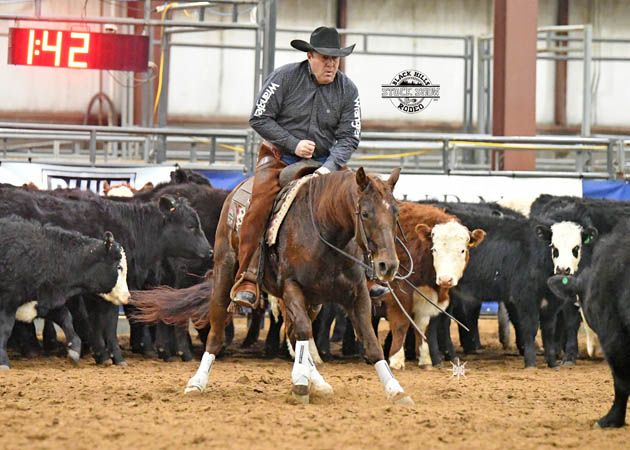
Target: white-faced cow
x,y
439,245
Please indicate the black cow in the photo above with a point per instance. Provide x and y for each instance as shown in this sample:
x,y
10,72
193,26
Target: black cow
x,y
148,232
42,266
603,289
180,272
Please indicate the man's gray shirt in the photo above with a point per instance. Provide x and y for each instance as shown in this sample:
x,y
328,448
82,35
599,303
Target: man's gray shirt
x,y
292,106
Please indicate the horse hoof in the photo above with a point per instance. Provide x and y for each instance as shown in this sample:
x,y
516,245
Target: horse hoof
x,y
425,366
403,399
4,368
193,390
122,363
321,390
299,394
74,356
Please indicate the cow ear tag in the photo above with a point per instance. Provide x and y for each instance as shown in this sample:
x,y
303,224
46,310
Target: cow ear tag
x,y
565,280
587,240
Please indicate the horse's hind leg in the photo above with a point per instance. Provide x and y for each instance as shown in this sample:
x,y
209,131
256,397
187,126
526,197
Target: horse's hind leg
x,y
305,377
360,313
219,302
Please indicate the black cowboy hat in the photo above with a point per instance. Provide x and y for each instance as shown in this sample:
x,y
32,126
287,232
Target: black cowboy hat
x,y
324,40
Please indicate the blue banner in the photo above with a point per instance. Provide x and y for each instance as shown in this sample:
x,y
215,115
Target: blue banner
x,y
606,189
223,179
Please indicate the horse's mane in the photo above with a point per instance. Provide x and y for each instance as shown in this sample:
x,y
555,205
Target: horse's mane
x,y
342,188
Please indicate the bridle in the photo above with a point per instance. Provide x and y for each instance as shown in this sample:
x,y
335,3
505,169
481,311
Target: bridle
x,y
359,228
368,263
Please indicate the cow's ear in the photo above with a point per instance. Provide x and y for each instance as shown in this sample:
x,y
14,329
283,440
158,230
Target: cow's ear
x,y
544,233
109,240
393,178
589,234
167,204
362,179
476,237
423,231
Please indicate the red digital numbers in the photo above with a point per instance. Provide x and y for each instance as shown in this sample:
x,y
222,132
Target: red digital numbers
x,y
78,50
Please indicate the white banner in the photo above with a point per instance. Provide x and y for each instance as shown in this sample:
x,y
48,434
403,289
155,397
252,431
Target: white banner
x,y
509,191
52,176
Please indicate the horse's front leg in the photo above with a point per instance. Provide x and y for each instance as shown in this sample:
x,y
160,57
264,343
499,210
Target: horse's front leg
x,y
360,314
305,377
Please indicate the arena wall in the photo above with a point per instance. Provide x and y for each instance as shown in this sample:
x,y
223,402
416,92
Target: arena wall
x,y
207,84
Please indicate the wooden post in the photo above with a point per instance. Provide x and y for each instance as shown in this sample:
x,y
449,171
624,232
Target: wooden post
x,y
514,77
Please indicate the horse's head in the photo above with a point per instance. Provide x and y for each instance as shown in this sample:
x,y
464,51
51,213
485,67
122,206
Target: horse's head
x,y
377,213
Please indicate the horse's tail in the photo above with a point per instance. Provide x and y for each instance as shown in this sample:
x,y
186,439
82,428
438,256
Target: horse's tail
x,y
174,306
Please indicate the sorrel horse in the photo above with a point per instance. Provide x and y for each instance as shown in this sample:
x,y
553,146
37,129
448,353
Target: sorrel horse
x,y
354,212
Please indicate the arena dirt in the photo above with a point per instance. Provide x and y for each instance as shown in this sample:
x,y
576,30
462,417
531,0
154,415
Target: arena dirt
x,y
47,403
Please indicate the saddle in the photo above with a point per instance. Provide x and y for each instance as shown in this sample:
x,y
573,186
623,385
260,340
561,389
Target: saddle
x,y
291,179
297,170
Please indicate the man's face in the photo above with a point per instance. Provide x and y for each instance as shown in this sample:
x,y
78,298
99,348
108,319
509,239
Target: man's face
x,y
323,67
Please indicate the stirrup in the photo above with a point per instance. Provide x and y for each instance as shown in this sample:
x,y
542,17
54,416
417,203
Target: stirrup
x,y
243,299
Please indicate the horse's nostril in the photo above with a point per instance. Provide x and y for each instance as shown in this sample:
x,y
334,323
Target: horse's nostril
x,y
382,267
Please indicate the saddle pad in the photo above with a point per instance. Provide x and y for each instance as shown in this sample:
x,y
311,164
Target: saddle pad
x,y
239,204
281,207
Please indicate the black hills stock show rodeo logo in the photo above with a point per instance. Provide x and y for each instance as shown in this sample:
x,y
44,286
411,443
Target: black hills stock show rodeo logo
x,y
411,91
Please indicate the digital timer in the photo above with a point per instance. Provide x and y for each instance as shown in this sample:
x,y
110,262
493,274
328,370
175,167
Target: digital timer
x,y
78,49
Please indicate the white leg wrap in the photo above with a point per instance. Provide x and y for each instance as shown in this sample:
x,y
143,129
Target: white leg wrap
x,y
199,380
300,376
392,387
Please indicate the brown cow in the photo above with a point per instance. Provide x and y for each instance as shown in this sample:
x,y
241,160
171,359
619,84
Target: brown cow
x,y
439,245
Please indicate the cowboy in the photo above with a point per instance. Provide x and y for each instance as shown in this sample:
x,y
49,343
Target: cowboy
x,y
305,111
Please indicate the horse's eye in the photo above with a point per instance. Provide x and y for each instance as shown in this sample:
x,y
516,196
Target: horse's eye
x,y
463,251
119,268
364,214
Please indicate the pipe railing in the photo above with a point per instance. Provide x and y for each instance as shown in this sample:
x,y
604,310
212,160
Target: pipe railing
x,y
418,152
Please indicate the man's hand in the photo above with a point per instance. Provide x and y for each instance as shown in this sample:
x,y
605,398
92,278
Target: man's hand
x,y
305,149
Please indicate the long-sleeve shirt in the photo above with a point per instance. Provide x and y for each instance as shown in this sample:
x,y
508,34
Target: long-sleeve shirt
x,y
292,106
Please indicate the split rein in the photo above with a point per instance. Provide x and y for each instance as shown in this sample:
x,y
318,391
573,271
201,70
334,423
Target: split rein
x,y
368,265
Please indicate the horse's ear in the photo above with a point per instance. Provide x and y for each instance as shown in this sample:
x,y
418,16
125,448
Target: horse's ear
x,y
362,179
393,178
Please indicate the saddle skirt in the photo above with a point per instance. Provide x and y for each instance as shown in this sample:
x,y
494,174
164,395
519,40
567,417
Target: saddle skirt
x,y
282,204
